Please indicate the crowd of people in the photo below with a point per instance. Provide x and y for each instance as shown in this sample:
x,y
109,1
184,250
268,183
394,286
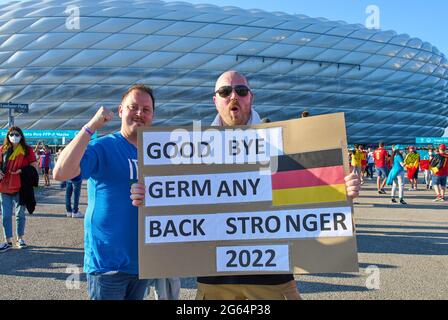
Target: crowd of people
x,y
395,166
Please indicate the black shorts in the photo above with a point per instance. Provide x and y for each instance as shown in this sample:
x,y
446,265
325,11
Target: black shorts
x,y
416,174
45,170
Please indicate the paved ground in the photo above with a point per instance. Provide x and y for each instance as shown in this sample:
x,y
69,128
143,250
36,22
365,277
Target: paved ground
x,y
408,245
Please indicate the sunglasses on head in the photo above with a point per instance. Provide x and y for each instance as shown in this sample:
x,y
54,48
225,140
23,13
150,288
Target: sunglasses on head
x,y
14,134
226,91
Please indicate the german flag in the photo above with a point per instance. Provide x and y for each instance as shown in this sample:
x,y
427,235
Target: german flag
x,y
310,177
411,161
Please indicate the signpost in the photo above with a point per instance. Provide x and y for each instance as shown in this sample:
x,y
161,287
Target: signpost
x,y
16,107
263,199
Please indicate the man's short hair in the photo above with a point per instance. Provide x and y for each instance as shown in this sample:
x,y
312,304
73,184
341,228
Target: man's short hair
x,y
142,88
265,120
381,144
305,114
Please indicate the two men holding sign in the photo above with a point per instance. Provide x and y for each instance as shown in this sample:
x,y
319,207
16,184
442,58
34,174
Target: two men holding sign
x,y
233,100
111,222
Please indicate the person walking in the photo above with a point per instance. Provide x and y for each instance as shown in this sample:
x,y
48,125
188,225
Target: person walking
x,y
381,158
44,154
370,163
439,166
73,186
16,155
356,161
396,177
412,161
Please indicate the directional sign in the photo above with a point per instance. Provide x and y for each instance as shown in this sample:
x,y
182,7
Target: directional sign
x,y
47,134
431,140
17,107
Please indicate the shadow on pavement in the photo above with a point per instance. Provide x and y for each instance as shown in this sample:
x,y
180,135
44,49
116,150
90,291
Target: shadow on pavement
x,y
402,242
319,287
31,261
412,206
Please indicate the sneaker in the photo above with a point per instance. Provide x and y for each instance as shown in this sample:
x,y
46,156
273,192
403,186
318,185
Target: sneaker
x,y
21,244
69,214
436,199
393,200
402,201
5,246
442,199
77,215
381,192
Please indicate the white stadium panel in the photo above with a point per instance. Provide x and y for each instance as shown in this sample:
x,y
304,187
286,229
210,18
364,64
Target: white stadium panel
x,y
391,86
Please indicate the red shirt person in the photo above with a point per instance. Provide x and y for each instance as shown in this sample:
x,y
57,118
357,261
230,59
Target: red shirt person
x,y
381,157
439,165
15,155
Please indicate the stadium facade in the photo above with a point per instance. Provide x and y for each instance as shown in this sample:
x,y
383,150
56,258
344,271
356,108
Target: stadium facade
x,y
391,87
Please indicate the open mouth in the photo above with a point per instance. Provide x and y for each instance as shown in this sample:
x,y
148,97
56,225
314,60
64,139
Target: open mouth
x,y
234,106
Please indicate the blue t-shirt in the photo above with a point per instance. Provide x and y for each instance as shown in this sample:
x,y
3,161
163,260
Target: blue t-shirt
x,y
397,165
111,221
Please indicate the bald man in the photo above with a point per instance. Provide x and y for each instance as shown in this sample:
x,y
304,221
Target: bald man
x,y
233,100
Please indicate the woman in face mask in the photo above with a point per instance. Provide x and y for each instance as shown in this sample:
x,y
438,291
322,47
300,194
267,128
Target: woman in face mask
x,y
15,155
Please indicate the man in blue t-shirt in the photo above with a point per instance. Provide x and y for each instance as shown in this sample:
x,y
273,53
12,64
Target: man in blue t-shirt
x,y
111,222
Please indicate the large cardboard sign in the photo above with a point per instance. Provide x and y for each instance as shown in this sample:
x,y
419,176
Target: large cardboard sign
x,y
263,199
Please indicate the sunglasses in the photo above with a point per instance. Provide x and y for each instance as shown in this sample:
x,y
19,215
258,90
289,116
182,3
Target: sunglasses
x,y
226,91
14,134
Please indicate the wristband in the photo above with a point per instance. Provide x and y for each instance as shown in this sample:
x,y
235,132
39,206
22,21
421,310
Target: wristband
x,y
88,130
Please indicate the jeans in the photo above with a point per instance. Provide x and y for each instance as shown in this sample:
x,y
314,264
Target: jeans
x,y
398,182
75,188
382,172
369,170
428,177
8,203
118,286
357,170
166,288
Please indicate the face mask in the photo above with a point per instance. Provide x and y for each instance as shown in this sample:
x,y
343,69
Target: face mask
x,y
15,139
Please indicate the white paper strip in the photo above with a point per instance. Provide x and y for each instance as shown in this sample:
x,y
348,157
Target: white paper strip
x,y
252,258
254,186
211,146
288,224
